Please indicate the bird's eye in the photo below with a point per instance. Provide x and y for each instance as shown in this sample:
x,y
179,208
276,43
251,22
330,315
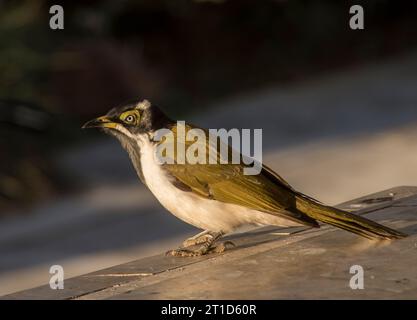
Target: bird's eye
x,y
130,119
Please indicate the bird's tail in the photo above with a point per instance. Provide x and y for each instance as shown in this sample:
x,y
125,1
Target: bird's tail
x,y
346,220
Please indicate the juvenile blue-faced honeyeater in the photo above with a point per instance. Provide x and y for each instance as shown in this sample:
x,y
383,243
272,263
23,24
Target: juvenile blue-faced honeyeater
x,y
218,198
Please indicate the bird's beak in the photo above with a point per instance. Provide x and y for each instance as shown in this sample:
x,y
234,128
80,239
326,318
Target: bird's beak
x,y
100,122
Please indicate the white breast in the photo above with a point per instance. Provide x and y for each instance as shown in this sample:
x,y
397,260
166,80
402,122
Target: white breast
x,y
200,212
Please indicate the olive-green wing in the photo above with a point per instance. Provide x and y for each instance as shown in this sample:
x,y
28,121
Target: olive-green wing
x,y
265,192
227,183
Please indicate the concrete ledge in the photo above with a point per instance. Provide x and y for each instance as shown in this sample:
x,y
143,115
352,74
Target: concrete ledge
x,y
272,263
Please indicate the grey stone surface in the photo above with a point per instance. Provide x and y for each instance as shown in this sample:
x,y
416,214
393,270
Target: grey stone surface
x,y
272,263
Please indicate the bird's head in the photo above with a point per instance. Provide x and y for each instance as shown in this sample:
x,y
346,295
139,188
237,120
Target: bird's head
x,y
131,121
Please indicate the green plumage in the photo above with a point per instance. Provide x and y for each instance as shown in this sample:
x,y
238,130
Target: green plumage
x,y
266,192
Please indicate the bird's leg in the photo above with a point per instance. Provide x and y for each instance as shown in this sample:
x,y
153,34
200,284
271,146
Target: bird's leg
x,y
197,239
206,247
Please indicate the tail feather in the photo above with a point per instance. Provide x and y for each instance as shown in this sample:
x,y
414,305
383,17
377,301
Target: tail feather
x,y
346,220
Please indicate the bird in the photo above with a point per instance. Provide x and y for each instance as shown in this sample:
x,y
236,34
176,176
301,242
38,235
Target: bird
x,y
218,198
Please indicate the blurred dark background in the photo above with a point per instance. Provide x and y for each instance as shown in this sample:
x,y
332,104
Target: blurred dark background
x,y
182,55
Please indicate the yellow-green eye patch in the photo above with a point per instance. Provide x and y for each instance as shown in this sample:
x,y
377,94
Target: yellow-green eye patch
x,y
130,117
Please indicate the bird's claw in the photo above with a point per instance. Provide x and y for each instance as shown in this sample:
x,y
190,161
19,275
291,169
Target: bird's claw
x,y
194,241
183,252
222,247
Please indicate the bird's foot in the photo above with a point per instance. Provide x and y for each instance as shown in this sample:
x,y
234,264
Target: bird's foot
x,y
203,250
182,252
222,247
199,239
